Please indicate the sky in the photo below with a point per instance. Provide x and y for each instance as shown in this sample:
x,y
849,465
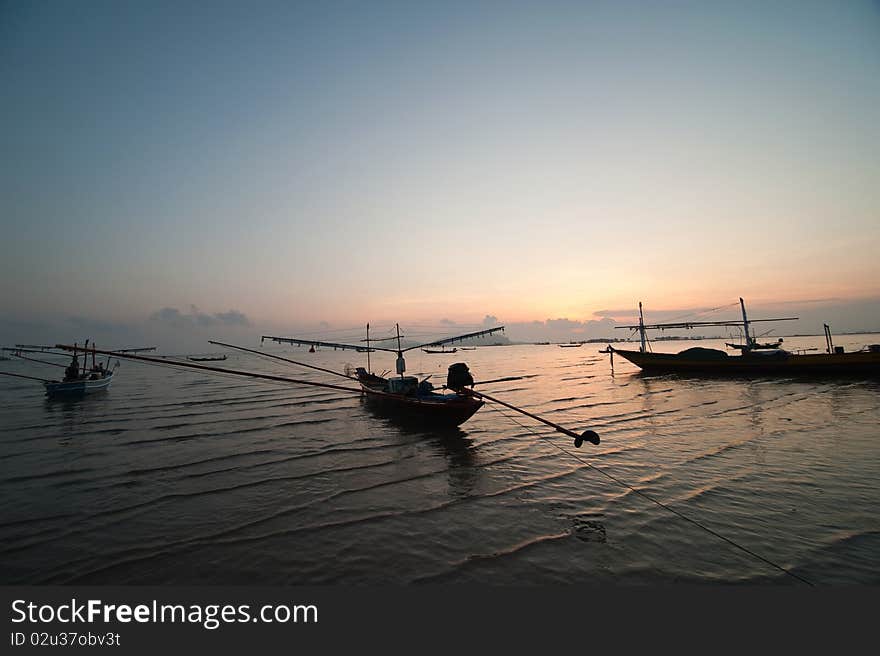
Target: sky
x,y
232,167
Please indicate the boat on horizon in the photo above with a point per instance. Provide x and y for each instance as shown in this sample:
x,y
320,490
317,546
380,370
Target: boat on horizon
x,y
207,358
767,359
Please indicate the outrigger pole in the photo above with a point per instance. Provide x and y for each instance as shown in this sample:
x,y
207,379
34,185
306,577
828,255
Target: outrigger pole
x,y
588,435
353,347
278,357
42,380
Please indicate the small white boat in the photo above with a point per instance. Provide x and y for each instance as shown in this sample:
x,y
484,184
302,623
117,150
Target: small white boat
x,y
94,381
79,381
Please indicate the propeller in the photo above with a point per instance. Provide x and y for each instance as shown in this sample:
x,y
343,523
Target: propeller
x,y
589,436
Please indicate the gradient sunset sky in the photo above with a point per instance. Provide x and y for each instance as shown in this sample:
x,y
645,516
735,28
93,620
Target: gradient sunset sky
x,y
418,161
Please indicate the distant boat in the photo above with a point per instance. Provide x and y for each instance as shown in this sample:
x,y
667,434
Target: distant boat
x,y
454,350
570,345
755,359
81,380
90,383
78,379
755,346
210,358
468,348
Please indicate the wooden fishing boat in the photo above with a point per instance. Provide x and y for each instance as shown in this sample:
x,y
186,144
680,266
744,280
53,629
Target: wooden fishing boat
x,y
213,358
81,380
754,359
93,382
570,345
405,397
409,400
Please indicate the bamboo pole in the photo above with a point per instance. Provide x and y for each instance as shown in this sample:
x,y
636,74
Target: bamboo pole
x,y
278,357
588,435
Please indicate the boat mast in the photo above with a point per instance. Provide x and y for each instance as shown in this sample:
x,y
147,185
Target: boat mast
x,y
401,363
369,369
642,337
829,345
749,340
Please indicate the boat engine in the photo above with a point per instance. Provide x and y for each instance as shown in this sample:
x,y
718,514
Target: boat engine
x,y
458,376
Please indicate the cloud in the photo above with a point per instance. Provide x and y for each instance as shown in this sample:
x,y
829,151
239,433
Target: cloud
x,y
232,318
490,320
561,329
175,317
167,315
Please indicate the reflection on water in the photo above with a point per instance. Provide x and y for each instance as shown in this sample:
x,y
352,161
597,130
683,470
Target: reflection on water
x,y
178,477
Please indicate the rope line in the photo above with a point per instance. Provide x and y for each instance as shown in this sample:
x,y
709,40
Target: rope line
x,y
659,503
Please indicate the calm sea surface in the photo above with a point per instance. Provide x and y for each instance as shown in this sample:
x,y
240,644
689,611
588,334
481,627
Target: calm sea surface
x,y
180,477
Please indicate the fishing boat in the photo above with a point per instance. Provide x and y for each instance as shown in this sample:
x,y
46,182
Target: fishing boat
x,y
406,397
81,380
409,400
210,358
754,359
570,345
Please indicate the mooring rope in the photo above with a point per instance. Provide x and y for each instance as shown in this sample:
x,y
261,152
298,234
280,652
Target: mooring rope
x,y
659,503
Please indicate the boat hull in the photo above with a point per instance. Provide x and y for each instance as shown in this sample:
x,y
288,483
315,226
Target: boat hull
x,y
428,410
78,387
858,364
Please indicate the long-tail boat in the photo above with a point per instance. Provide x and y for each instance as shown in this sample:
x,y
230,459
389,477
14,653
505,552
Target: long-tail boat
x,y
406,397
754,359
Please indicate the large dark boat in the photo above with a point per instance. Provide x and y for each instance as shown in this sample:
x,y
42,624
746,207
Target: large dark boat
x,y
767,359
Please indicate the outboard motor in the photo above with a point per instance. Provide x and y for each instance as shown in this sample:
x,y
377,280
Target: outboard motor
x,y
458,377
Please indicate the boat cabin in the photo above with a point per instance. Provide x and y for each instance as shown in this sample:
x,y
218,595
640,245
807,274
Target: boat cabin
x,y
403,385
